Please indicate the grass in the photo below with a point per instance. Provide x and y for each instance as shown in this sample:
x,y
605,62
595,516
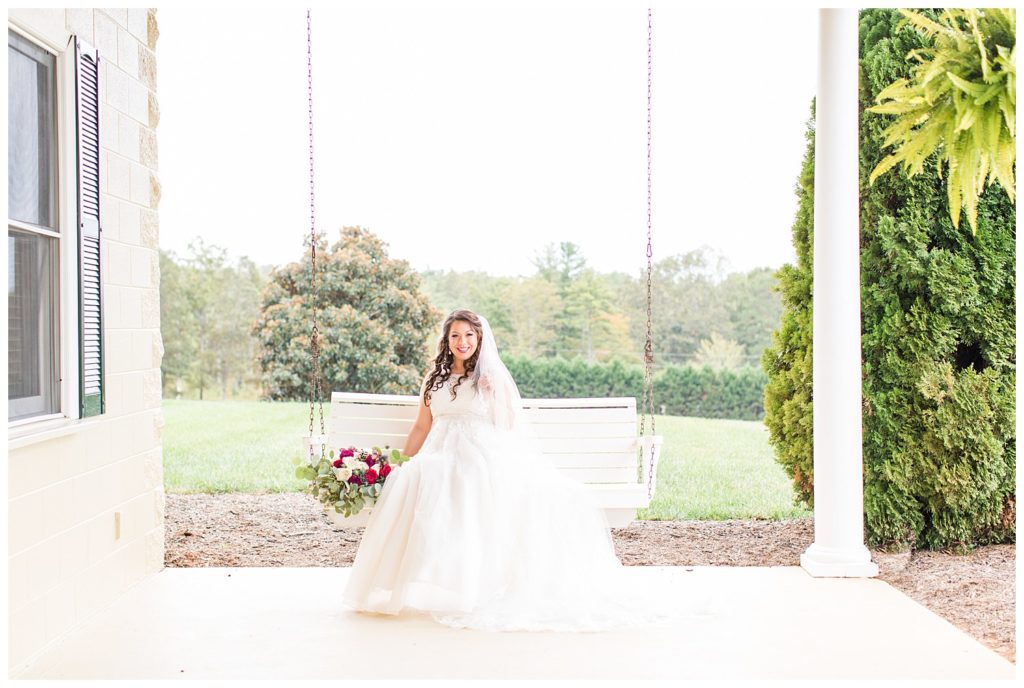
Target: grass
x,y
709,469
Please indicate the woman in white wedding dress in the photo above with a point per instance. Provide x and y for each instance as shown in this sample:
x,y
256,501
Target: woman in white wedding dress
x,y
478,529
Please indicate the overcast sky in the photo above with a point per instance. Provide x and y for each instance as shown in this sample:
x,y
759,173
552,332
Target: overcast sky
x,y
469,135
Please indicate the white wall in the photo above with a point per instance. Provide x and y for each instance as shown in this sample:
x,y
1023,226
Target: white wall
x,y
67,485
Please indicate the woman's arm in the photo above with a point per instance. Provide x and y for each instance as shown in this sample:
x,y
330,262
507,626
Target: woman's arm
x,y
424,419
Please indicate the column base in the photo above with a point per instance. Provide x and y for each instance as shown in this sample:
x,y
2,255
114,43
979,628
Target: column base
x,y
849,562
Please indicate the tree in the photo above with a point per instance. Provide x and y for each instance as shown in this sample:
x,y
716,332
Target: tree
x,y
719,353
177,323
754,310
959,102
207,308
375,324
938,345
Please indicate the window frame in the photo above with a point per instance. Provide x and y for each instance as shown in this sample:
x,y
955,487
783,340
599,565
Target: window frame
x,y
68,339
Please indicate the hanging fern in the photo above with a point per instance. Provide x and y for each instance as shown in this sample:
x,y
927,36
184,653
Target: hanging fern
x,y
961,101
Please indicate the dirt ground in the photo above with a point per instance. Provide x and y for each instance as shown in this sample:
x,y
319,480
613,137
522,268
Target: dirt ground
x,y
975,592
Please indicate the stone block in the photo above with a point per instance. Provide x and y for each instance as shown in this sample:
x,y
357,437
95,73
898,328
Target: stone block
x,y
112,301
94,492
140,190
110,216
127,53
118,176
17,580
133,483
147,67
28,632
109,128
26,522
118,266
132,386
154,110
44,567
74,551
118,14
79,21
155,549
152,391
152,29
138,23
130,223
138,101
131,307
118,354
149,308
59,610
114,399
58,511
142,267
158,353
105,31
129,139
148,153
150,228
155,190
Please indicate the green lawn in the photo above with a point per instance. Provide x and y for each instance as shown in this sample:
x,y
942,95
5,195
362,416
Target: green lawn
x,y
709,469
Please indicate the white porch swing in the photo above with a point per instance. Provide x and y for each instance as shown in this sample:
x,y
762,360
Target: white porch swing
x,y
593,441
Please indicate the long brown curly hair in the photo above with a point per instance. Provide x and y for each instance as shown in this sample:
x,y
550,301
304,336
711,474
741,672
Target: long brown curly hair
x,y
442,369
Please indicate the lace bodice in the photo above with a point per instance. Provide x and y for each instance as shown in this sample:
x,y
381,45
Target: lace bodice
x,y
466,402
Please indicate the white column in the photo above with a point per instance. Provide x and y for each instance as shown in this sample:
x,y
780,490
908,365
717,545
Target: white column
x,y
838,548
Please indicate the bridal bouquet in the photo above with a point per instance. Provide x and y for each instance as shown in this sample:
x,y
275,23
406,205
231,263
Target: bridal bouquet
x,y
351,481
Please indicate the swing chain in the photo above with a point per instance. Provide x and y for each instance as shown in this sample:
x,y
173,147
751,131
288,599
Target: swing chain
x,y
647,403
316,383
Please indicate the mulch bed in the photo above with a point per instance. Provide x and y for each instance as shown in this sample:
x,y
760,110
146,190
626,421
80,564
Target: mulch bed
x,y
975,592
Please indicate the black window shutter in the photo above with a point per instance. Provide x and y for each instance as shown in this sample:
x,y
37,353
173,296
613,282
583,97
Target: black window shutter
x,y
87,87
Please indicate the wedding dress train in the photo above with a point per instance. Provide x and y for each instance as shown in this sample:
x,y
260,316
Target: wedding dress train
x,y
479,530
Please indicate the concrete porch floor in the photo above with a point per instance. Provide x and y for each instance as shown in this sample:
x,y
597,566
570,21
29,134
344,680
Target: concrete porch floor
x,y
776,622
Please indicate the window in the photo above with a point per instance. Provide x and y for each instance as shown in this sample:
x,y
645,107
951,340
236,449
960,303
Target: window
x,y
54,326
33,231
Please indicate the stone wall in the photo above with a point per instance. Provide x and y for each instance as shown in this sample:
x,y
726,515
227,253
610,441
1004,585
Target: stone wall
x,y
86,498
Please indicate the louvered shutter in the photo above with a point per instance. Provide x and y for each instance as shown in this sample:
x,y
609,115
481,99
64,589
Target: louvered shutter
x,y
87,80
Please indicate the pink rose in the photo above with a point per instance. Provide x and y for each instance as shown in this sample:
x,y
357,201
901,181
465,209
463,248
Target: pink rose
x,y
370,460
346,452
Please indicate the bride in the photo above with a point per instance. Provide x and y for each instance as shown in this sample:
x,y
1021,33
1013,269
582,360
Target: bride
x,y
478,529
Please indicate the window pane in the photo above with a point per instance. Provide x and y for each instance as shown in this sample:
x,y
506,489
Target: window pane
x,y
31,123
32,307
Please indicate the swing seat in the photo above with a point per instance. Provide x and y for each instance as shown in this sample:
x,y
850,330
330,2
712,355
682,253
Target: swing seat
x,y
593,441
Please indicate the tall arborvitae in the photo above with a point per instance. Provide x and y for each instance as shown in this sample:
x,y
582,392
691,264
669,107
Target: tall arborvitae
x,y
938,342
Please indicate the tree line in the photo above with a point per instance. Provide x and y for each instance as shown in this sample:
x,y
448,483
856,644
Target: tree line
x,y
240,330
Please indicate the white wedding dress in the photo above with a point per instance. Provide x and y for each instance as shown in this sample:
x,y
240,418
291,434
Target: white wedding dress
x,y
481,531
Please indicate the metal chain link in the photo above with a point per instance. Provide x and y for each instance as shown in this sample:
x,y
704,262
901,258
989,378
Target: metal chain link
x,y
316,383
647,403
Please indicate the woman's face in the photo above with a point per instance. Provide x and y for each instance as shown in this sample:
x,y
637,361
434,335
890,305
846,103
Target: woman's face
x,y
462,340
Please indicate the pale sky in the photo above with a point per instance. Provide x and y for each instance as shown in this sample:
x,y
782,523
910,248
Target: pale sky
x,y
469,135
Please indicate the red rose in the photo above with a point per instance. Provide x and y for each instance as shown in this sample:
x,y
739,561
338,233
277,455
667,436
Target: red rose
x,y
354,479
337,463
371,476
346,452
384,470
